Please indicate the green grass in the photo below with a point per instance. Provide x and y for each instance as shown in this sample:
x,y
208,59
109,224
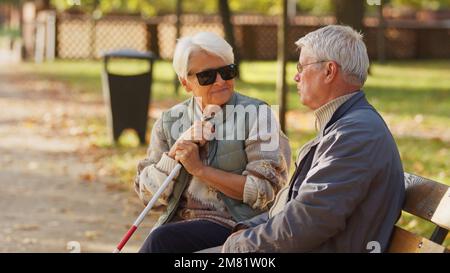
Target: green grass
x,y
414,97
411,88
406,88
85,76
402,91
9,32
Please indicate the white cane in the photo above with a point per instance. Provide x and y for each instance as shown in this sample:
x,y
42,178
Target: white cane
x,y
149,206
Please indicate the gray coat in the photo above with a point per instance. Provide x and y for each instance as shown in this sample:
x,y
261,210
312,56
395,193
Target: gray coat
x,y
351,195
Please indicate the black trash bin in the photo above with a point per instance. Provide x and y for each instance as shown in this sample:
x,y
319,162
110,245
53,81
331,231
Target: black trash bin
x,y
127,95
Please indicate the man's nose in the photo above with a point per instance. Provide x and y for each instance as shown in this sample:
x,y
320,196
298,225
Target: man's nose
x,y
297,77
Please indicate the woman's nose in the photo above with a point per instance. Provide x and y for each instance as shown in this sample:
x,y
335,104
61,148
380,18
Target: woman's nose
x,y
219,79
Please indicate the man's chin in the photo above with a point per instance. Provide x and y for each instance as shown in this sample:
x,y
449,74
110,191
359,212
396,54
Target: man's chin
x,y
306,102
302,98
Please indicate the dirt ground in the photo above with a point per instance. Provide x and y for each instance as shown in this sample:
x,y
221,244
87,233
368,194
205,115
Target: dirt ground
x,y
45,203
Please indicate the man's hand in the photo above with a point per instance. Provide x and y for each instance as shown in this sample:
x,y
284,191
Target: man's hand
x,y
233,234
237,232
187,154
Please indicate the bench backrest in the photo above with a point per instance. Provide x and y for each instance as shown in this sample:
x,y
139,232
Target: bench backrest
x,y
428,200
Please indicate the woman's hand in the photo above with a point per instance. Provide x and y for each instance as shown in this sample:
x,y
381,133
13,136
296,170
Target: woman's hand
x,y
187,154
186,151
199,133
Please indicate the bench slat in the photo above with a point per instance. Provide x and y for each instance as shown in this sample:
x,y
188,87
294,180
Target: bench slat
x,y
428,199
403,241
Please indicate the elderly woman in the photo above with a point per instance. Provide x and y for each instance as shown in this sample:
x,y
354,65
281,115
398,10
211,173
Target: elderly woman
x,y
223,181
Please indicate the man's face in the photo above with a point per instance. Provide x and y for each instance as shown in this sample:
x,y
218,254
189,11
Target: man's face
x,y
310,84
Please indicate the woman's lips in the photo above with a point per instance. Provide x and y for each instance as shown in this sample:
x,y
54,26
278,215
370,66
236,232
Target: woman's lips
x,y
219,90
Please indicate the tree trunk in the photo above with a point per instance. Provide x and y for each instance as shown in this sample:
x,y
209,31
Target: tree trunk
x,y
225,14
381,50
42,5
350,12
281,63
291,9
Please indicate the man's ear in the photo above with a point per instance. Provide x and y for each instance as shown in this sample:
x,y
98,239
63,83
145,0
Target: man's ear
x,y
331,71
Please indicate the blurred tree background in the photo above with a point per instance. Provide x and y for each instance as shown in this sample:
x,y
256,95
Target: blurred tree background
x,y
267,7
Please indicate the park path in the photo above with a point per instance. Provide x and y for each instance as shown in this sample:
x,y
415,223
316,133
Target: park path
x,y
45,200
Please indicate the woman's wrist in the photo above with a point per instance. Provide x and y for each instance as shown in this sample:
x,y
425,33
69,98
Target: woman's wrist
x,y
166,163
200,171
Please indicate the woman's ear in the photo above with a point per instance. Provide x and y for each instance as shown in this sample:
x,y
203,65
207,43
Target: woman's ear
x,y
185,84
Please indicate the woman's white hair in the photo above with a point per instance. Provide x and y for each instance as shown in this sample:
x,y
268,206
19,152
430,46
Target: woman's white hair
x,y
343,45
202,41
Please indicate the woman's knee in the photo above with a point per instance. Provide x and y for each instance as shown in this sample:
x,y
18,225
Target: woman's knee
x,y
154,241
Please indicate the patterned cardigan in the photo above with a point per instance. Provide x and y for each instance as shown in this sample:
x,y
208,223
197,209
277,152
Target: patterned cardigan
x,y
266,173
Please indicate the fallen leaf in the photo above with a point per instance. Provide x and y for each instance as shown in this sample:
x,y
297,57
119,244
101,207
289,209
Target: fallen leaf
x,y
418,167
91,234
26,227
33,165
29,241
87,177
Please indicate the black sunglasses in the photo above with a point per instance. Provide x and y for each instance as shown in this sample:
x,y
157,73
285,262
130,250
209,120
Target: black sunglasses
x,y
208,77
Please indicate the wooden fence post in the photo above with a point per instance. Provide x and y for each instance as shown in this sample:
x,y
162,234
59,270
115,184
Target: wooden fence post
x,y
281,63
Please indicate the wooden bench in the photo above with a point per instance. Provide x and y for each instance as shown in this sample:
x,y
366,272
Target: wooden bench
x,y
428,200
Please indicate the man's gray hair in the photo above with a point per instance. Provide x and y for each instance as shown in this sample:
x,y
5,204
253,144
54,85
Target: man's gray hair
x,y
202,41
343,45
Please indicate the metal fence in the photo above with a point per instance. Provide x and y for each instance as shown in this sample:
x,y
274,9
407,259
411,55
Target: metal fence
x,y
79,36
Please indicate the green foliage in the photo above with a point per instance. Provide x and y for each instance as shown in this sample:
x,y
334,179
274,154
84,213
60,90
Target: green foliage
x,y
144,7
8,32
315,7
268,7
422,4
14,2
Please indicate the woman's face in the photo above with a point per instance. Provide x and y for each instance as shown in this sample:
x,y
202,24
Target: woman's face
x,y
217,93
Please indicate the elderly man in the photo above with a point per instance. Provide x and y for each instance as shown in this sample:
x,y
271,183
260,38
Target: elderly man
x,y
347,190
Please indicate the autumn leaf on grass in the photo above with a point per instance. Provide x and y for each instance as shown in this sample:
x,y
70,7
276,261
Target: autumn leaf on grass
x,y
418,167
